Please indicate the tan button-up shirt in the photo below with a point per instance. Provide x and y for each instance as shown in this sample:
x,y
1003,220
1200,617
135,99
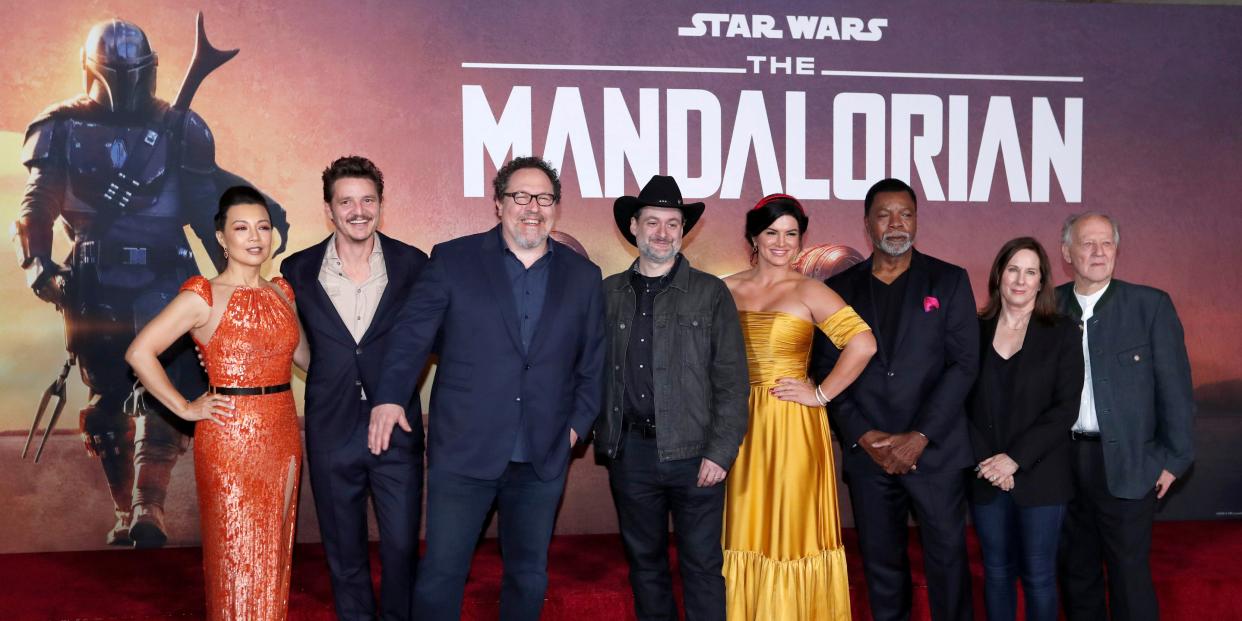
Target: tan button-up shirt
x,y
354,302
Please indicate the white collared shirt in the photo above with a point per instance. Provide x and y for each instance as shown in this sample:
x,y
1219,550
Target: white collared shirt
x,y
1087,419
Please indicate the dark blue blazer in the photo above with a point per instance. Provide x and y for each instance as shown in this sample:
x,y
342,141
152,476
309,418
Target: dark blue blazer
x,y
464,296
340,367
922,385
1140,378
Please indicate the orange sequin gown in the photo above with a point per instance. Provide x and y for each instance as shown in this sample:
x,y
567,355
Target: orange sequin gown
x,y
248,469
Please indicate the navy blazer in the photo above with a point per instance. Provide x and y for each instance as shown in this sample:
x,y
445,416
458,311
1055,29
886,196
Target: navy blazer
x,y
1140,378
339,366
465,297
1042,408
922,385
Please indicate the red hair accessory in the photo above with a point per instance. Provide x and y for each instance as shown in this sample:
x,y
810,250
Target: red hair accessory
x,y
775,197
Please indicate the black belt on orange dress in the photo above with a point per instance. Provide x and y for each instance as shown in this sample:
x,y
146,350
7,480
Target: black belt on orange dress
x,y
248,390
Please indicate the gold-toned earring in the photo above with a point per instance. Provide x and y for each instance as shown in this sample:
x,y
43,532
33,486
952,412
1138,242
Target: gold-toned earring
x,y
226,253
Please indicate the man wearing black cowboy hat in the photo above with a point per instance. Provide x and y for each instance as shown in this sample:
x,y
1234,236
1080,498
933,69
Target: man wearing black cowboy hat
x,y
675,405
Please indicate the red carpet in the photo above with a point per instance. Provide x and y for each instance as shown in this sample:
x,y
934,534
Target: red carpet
x,y
1195,564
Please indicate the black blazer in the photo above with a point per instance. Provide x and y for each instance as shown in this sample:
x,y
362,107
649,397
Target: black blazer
x,y
922,385
487,388
339,367
1043,407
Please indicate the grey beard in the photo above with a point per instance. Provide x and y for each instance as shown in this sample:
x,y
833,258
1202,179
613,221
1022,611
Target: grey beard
x,y
527,243
530,244
893,247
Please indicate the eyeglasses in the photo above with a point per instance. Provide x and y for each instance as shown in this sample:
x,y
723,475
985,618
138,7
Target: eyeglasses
x,y
523,198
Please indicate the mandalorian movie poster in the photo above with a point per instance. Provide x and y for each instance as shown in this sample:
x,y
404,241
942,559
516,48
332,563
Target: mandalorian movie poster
x,y
123,120
126,174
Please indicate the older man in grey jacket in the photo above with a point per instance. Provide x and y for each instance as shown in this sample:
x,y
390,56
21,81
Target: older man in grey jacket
x,y
675,405
1132,439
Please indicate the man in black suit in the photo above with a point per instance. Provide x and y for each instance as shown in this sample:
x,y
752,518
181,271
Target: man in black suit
x,y
348,289
1132,439
520,322
902,425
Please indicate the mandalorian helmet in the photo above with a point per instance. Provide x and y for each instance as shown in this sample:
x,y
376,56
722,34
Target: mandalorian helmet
x,y
118,66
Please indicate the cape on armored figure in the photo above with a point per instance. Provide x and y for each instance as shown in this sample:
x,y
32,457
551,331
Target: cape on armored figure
x,y
124,172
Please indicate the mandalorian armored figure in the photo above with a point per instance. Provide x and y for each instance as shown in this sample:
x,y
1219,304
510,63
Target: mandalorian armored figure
x,y
124,172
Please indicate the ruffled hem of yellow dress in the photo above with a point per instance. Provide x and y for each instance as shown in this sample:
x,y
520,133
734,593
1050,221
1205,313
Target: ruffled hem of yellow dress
x,y
813,587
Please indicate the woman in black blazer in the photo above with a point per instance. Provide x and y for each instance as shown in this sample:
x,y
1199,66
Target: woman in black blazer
x,y
1021,409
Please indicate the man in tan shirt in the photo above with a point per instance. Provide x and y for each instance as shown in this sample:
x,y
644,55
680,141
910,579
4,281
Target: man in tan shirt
x,y
355,285
348,289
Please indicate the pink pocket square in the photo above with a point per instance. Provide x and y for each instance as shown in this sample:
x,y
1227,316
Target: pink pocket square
x,y
930,303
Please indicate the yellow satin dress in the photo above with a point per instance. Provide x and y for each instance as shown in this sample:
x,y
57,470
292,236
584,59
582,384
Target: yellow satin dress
x,y
783,557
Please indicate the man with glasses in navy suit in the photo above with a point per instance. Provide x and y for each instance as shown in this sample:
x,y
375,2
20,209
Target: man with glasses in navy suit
x,y
519,321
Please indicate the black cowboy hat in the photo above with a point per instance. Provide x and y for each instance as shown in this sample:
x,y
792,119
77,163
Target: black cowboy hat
x,y
661,191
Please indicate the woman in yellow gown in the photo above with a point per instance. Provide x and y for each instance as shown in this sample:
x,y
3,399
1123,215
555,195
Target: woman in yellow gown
x,y
783,557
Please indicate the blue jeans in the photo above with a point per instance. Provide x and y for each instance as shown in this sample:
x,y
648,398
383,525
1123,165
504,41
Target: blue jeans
x,y
456,508
1019,542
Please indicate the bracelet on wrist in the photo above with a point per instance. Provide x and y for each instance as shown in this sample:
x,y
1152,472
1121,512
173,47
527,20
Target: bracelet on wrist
x,y
819,396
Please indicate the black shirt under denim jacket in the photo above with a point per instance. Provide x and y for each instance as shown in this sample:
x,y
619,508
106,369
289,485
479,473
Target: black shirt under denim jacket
x,y
699,375
639,408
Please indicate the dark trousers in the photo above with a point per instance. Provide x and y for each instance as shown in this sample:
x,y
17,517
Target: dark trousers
x,y
882,505
1101,529
456,508
645,492
1019,542
341,478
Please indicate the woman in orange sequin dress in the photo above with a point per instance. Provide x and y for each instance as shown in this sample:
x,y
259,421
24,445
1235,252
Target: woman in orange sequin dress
x,y
783,557
247,445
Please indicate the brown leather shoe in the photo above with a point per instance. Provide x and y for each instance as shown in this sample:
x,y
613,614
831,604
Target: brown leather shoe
x,y
119,535
147,527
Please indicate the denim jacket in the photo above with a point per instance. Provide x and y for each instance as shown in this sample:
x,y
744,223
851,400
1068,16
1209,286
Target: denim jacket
x,y
702,386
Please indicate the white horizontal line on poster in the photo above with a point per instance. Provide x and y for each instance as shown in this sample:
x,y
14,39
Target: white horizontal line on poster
x,y
826,72
952,76
603,68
